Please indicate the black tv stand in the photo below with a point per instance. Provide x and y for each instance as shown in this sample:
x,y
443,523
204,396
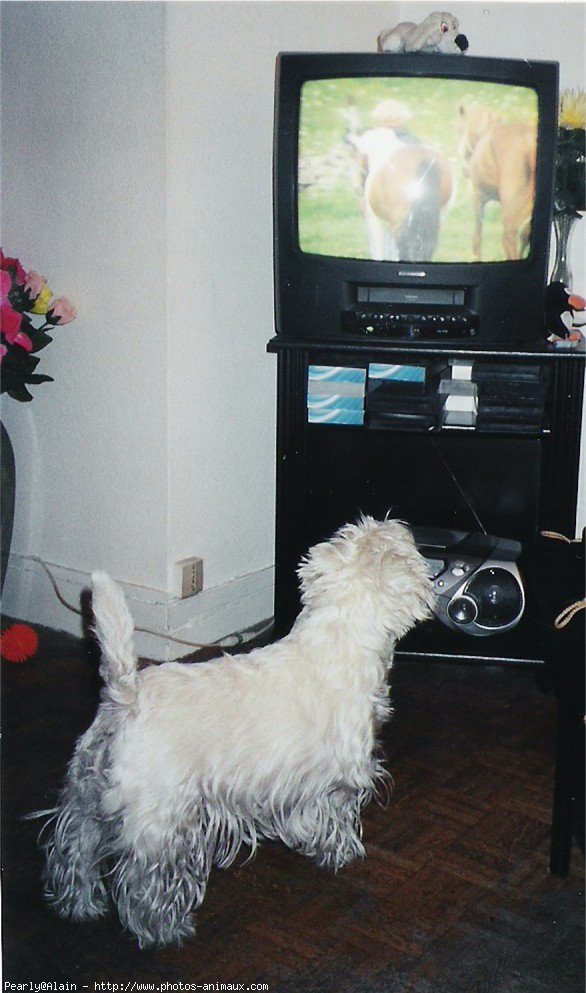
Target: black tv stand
x,y
514,479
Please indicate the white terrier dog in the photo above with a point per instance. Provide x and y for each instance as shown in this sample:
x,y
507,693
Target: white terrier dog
x,y
185,763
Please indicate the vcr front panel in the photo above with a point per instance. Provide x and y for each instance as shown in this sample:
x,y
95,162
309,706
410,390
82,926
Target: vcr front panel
x,y
425,323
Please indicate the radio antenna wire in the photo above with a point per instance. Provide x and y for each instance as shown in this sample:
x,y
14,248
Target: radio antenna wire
x,y
461,489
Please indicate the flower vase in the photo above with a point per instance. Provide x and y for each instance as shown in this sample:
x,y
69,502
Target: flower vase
x,y
563,224
7,489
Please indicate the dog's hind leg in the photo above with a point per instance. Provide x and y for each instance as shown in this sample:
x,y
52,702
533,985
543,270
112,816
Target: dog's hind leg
x,y
75,849
156,893
80,840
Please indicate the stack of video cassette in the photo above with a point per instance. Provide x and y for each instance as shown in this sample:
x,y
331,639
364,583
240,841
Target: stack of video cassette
x,y
403,397
335,394
458,397
511,399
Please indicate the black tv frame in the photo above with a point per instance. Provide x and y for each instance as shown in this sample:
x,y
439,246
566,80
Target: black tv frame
x,y
312,292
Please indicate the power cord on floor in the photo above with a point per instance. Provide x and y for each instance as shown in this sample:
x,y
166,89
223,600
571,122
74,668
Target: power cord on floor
x,y
231,641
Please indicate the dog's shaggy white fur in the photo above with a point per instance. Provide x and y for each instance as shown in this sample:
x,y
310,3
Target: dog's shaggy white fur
x,y
185,763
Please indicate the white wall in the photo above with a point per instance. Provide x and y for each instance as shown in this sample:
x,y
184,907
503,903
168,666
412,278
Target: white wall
x,y
137,177
83,157
137,142
220,80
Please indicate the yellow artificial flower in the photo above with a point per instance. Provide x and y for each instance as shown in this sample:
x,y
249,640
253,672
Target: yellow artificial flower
x,y
41,304
572,109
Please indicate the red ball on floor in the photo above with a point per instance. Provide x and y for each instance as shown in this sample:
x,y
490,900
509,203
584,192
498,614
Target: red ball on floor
x,y
18,643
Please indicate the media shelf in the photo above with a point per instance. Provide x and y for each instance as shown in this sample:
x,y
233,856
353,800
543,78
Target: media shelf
x,y
364,455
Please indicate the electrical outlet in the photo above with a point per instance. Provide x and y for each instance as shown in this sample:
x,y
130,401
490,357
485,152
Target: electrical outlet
x,y
191,573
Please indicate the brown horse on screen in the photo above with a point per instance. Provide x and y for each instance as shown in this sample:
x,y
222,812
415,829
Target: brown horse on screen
x,y
500,161
405,188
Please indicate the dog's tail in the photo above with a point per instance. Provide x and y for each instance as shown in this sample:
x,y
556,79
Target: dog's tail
x,y
114,629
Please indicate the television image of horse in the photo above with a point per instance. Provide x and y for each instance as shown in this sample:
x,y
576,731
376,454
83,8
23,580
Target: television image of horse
x,y
500,160
406,187
416,170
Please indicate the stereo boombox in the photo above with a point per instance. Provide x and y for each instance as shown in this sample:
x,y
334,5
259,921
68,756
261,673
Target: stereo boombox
x,y
476,580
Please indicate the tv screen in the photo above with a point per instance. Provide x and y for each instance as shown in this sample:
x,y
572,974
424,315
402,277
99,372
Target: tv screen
x,y
396,169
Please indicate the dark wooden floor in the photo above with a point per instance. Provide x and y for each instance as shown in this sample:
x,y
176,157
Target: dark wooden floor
x,y
454,894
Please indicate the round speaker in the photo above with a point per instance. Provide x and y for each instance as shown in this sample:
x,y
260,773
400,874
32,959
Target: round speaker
x,y
463,610
498,595
491,601
478,586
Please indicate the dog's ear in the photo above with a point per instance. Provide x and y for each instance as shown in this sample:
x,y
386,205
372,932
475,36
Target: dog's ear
x,y
325,567
406,592
316,570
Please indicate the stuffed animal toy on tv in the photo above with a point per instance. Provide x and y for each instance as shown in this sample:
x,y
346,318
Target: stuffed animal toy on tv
x,y
439,32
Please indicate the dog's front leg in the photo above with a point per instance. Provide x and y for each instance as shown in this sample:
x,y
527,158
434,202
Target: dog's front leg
x,y
328,829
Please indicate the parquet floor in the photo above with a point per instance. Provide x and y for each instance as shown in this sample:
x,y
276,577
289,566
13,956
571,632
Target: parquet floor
x,y
454,895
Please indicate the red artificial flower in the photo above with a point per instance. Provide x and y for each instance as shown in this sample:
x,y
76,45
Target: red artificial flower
x,y
5,285
13,265
10,319
10,324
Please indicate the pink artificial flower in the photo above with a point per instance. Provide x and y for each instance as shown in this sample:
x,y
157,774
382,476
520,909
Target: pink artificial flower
x,y
34,285
62,311
24,341
3,351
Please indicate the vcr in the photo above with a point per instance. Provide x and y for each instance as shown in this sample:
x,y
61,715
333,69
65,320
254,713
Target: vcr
x,y
390,321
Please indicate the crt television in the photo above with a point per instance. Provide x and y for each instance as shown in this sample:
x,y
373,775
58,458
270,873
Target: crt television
x,y
413,196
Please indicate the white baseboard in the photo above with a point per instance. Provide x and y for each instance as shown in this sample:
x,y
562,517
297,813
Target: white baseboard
x,y
205,618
